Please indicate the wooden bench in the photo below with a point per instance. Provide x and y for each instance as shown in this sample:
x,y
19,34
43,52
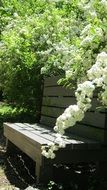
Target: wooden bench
x,y
86,142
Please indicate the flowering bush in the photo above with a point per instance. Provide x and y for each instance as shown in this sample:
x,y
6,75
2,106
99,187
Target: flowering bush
x,y
84,93
83,56
83,35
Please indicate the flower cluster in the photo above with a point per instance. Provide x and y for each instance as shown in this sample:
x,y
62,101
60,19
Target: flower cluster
x,y
72,114
97,77
84,94
98,74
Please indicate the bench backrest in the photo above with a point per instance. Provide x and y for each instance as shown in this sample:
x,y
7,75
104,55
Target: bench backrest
x,y
56,98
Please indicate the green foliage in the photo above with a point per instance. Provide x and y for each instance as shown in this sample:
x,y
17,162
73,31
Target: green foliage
x,y
14,114
20,64
61,37
28,34
11,9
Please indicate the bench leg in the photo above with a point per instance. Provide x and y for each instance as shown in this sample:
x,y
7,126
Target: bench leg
x,y
102,175
103,169
38,170
11,149
44,172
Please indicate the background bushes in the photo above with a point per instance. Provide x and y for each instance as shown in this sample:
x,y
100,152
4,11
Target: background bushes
x,y
20,78
28,31
9,113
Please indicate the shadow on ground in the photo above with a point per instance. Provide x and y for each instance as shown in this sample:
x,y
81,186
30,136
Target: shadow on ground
x,y
16,169
20,170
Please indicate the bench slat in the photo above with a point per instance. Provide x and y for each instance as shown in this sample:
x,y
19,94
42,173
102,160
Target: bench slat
x,y
33,137
95,119
90,132
51,81
57,91
58,101
66,101
49,121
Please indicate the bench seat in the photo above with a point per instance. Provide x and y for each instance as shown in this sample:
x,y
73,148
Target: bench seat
x,y
31,137
40,135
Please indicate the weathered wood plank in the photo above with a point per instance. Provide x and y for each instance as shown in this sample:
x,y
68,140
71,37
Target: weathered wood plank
x,y
29,133
94,119
91,118
57,91
89,132
49,121
59,101
51,81
52,111
46,134
66,101
22,142
83,155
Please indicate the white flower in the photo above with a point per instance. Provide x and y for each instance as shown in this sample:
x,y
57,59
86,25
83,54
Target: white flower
x,y
79,116
93,14
69,122
56,128
52,156
60,142
105,71
104,3
15,15
102,57
69,73
95,72
86,29
86,41
99,32
98,81
71,109
43,70
87,88
59,128
45,153
48,42
58,135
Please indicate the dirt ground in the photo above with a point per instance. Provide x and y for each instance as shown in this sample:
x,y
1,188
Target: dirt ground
x,y
4,182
